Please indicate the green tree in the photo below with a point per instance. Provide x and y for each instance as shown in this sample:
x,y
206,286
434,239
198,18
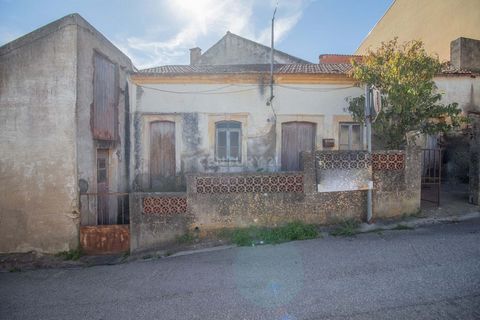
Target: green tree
x,y
410,100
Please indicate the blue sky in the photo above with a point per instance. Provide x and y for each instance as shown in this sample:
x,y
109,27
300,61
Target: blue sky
x,y
158,32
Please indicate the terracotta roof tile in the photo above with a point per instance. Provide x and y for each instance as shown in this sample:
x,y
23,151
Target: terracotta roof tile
x,y
338,68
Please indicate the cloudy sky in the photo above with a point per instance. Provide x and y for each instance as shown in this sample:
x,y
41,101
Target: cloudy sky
x,y
159,32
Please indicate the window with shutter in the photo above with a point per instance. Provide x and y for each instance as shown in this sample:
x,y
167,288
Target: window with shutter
x,y
228,143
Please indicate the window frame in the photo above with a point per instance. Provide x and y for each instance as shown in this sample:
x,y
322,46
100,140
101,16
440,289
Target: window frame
x,y
237,128
350,130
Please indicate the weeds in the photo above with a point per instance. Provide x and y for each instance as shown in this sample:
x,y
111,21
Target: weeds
x,y
402,227
14,269
257,235
73,254
347,228
186,238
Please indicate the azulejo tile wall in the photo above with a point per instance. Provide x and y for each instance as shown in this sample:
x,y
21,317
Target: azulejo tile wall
x,y
346,160
164,205
343,160
388,161
271,183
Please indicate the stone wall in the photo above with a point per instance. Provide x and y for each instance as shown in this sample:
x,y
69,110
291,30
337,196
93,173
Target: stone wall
x,y
397,183
235,200
465,54
157,219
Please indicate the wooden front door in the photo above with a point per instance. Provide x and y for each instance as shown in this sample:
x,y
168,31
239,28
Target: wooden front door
x,y
102,186
296,137
162,154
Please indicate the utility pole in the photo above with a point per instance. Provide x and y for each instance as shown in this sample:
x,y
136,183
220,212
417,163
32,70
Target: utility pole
x,y
368,124
271,55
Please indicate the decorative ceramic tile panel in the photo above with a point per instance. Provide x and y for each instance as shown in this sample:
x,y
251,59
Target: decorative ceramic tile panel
x,y
250,184
387,161
344,160
164,205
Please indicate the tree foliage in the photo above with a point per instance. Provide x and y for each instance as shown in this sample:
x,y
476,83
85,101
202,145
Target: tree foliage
x,y
410,100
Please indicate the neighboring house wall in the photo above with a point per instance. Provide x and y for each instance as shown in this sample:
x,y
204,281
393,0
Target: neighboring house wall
x,y
233,49
464,90
38,186
434,22
322,104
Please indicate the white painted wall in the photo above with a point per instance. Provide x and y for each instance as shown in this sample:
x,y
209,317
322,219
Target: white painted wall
x,y
464,90
323,104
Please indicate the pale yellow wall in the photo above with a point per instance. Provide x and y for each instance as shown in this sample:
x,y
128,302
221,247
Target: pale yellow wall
x,y
435,22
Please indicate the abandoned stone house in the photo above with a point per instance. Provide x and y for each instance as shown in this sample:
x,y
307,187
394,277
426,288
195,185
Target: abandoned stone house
x,y
63,113
87,141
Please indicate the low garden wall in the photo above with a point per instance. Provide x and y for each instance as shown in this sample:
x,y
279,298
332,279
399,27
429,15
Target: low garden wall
x,y
232,200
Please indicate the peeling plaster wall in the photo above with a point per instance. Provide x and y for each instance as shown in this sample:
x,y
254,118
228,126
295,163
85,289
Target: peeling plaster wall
x,y
46,147
464,90
90,42
38,189
196,115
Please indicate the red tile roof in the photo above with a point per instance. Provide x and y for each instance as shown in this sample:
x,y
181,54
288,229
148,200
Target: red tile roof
x,y
339,68
338,58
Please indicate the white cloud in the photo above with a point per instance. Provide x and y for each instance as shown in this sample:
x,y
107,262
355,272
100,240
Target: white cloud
x,y
192,21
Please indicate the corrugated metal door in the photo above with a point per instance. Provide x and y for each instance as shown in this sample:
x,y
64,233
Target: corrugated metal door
x,y
296,137
162,151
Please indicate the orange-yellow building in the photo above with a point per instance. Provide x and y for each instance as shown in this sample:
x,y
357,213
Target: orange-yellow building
x,y
435,22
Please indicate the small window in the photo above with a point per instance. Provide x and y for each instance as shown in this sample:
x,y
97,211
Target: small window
x,y
228,142
350,136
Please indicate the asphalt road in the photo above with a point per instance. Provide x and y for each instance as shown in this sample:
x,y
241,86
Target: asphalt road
x,y
427,273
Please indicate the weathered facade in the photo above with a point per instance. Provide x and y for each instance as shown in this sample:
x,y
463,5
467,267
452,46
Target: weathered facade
x,y
232,49
47,151
213,144
195,104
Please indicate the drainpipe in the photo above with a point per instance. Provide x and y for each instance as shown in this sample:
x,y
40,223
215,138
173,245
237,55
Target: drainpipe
x,y
368,122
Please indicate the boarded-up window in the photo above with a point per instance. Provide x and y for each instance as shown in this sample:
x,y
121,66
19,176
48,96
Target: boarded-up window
x,y
350,136
228,141
296,137
104,113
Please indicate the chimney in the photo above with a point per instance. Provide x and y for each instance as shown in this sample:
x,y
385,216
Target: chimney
x,y
195,55
465,54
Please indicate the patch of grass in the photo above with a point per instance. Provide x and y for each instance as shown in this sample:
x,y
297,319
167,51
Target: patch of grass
x,y
402,227
186,238
256,235
347,228
416,214
14,269
73,254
